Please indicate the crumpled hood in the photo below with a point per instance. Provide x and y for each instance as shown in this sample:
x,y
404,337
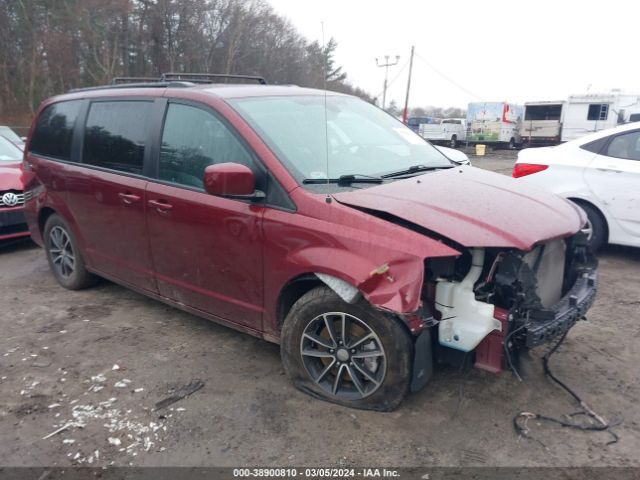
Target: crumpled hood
x,y
473,207
11,177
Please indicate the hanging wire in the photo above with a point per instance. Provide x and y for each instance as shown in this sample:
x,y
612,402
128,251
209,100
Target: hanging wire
x,y
447,78
406,64
594,421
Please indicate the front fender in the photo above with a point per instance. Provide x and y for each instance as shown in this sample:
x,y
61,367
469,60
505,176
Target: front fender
x,y
393,285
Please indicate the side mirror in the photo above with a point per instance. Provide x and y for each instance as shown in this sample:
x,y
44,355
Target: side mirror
x,y
231,180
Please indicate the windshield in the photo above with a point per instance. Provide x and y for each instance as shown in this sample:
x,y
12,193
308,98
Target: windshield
x,y
362,139
9,152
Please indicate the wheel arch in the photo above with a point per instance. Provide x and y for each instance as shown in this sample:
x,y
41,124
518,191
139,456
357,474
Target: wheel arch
x,y
298,286
43,215
581,201
292,291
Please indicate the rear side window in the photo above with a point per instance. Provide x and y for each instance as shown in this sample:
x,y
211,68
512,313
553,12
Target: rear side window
x,y
54,130
192,140
116,134
626,146
596,146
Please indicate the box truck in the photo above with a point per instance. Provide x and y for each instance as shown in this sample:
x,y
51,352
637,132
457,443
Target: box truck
x,y
496,123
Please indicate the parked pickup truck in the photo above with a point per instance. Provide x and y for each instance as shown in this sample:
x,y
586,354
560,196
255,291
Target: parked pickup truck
x,y
451,131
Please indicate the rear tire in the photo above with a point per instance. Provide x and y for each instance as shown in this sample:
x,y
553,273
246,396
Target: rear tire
x,y
65,259
453,143
596,228
512,144
370,369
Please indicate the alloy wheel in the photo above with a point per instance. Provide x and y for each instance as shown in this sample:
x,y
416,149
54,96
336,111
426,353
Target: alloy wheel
x,y
61,251
343,355
588,230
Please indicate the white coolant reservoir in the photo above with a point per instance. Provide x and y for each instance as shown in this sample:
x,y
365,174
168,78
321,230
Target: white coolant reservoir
x,y
465,320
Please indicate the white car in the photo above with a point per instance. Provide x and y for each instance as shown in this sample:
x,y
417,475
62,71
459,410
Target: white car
x,y
454,155
12,136
601,173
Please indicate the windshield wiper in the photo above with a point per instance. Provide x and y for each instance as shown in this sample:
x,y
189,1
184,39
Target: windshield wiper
x,y
415,169
344,179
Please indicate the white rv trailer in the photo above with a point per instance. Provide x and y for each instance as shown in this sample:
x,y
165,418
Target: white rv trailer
x,y
542,124
593,112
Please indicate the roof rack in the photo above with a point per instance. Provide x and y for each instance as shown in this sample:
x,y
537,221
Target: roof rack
x,y
172,80
122,80
210,77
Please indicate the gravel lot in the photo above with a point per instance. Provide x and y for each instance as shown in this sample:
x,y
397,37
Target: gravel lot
x,y
97,361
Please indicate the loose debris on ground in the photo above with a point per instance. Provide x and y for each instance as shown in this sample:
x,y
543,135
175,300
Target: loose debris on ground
x,y
126,430
180,393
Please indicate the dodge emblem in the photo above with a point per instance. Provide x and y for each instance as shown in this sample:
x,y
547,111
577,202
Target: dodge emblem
x,y
10,199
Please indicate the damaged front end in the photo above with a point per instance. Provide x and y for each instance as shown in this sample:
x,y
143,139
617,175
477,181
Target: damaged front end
x,y
496,302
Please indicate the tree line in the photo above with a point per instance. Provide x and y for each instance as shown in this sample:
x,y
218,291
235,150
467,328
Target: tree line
x,y
52,46
430,111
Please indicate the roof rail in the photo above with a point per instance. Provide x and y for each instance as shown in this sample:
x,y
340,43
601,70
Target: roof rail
x,y
154,84
210,77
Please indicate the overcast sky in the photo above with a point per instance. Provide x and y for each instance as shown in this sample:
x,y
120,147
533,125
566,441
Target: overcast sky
x,y
489,50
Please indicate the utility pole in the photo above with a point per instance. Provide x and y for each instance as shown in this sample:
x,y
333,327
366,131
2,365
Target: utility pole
x,y
406,98
386,66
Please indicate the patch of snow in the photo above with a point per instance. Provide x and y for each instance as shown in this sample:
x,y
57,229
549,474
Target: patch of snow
x,y
99,378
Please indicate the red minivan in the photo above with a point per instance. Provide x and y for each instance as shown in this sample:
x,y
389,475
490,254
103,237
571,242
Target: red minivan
x,y
308,218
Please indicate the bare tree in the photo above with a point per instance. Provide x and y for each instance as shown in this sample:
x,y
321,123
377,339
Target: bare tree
x,y
49,46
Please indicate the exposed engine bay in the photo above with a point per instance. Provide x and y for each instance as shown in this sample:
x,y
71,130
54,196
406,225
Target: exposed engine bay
x,y
496,302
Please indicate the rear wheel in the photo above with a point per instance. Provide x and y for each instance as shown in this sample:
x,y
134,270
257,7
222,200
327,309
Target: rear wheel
x,y
453,143
595,228
512,144
350,354
64,257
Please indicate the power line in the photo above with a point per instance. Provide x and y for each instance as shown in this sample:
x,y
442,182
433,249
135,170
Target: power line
x,y
395,77
453,82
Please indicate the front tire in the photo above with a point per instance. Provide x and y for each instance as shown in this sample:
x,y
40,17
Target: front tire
x,y
453,143
596,227
349,354
65,259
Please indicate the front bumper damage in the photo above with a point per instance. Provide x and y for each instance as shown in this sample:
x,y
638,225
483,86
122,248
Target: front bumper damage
x,y
520,300
544,325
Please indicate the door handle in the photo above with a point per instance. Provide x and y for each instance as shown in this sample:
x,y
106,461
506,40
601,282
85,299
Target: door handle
x,y
609,169
129,198
162,206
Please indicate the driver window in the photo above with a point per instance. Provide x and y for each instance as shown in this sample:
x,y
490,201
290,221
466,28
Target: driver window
x,y
193,139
